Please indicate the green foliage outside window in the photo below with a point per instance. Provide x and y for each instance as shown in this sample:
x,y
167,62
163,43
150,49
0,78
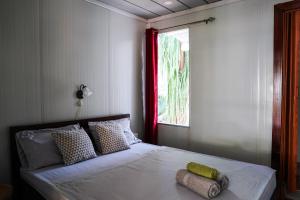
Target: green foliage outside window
x,y
173,81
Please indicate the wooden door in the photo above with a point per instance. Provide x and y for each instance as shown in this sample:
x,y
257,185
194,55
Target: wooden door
x,y
292,103
285,94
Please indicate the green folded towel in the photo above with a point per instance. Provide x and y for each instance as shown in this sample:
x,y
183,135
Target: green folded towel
x,y
202,170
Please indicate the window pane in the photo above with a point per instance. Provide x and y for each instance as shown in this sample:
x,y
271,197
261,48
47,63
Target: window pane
x,y
173,77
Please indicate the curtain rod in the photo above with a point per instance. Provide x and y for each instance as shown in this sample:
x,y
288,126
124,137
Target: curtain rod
x,y
206,21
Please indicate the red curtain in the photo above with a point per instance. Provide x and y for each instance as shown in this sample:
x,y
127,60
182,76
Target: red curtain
x,y
151,92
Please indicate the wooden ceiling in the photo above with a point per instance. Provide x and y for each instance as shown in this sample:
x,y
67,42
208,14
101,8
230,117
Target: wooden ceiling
x,y
149,9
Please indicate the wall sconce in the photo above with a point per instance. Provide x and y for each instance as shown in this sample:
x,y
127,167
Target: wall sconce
x,y
82,93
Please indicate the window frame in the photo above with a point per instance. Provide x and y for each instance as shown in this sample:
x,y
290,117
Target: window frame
x,y
189,89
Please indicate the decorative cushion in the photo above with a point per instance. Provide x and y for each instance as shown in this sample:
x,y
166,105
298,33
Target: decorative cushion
x,y
125,123
94,133
111,137
36,148
75,146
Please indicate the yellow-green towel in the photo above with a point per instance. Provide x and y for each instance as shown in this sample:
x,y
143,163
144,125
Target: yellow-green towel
x,y
202,170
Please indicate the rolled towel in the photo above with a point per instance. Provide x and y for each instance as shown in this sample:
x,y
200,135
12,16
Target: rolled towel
x,y
205,187
223,181
202,170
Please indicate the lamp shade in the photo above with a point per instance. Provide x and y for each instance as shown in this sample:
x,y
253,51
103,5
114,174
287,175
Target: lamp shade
x,y
86,91
83,92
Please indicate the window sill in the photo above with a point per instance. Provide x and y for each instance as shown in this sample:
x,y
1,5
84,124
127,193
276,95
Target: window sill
x,y
175,125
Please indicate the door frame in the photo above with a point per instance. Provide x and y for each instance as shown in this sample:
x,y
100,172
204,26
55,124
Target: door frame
x,y
283,133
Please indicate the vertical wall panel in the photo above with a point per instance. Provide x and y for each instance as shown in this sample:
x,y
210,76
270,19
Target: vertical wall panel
x,y
225,101
20,72
125,68
74,50
231,82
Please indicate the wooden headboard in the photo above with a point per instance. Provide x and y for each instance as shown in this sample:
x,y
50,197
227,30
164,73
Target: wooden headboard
x,y
15,161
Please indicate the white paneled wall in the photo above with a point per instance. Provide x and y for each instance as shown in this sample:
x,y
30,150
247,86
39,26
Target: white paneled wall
x,y
49,47
75,49
126,47
231,82
20,101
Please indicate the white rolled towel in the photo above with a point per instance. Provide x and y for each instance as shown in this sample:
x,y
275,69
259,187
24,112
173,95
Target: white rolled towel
x,y
205,187
223,181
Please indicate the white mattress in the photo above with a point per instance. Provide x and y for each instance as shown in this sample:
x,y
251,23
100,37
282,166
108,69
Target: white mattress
x,y
147,172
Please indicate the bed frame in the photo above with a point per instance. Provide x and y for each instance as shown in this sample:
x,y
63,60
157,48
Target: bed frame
x,y
22,190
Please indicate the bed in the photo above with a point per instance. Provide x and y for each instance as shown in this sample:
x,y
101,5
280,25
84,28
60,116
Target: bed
x,y
142,172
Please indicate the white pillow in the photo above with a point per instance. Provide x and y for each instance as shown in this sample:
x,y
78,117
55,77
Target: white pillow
x,y
37,148
125,123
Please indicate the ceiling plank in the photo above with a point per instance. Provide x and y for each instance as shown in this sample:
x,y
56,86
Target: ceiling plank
x,y
162,5
187,6
212,1
194,3
175,6
150,6
123,5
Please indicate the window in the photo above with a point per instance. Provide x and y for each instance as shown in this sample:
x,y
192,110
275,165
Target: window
x,y
173,77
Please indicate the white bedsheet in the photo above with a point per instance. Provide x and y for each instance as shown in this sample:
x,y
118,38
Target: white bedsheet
x,y
147,172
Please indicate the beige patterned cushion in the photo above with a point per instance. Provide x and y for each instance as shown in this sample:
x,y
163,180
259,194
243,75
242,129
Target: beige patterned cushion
x,y
75,146
111,137
95,135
